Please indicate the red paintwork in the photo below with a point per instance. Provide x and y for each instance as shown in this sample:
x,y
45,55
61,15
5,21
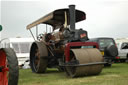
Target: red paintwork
x,y
117,57
3,74
71,44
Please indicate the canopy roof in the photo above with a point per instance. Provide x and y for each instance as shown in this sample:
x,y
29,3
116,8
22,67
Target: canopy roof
x,y
57,18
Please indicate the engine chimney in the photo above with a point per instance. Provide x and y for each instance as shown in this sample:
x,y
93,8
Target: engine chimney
x,y
72,17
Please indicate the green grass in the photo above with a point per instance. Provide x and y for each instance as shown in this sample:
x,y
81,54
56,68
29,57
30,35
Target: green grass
x,y
115,75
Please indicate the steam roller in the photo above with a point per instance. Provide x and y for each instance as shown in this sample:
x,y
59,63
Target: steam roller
x,y
68,48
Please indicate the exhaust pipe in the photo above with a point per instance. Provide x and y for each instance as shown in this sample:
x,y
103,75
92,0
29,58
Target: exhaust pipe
x,y
72,16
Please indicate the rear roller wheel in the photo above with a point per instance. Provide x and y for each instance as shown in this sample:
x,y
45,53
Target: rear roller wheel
x,y
38,54
10,71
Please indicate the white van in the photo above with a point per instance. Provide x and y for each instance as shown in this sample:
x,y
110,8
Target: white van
x,y
20,45
122,45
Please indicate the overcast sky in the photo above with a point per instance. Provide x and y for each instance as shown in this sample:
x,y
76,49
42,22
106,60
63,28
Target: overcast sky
x,y
105,18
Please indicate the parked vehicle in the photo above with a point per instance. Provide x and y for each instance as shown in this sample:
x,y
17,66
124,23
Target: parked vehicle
x,y
122,45
21,47
108,48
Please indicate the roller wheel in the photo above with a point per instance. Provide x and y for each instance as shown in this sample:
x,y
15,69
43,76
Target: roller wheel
x,y
11,72
38,60
84,56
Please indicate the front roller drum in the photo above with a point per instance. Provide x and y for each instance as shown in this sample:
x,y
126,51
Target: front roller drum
x,y
89,62
38,54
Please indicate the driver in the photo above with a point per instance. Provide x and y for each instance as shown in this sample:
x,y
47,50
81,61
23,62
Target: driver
x,y
50,39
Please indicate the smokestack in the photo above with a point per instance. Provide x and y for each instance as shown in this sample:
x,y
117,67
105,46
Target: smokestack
x,y
72,17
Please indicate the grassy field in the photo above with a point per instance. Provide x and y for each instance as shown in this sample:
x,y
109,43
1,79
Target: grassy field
x,y
115,75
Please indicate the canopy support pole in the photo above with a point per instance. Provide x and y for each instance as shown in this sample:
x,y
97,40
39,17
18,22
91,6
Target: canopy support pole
x,y
32,34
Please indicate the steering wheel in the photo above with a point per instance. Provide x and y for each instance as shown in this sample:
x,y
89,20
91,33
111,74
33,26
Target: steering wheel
x,y
40,37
